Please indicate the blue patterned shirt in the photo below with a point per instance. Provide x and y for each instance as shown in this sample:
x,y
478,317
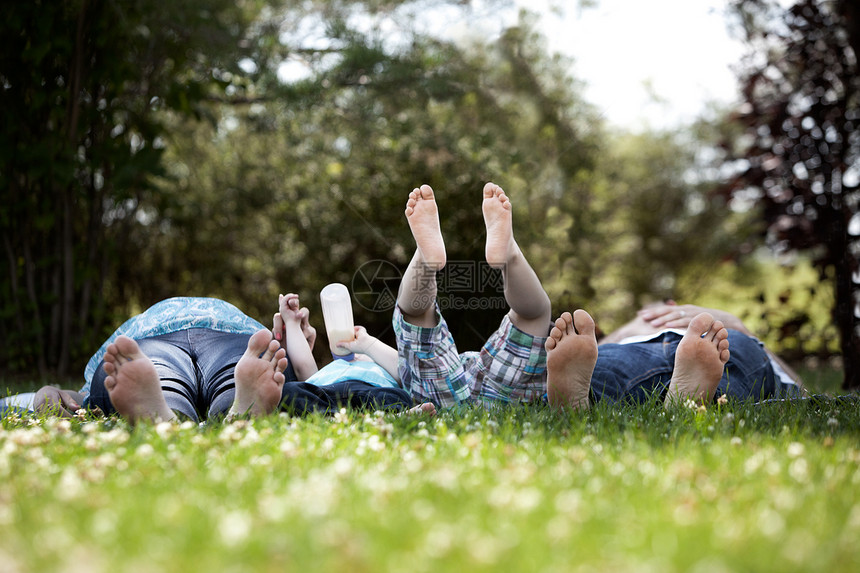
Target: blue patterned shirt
x,y
174,315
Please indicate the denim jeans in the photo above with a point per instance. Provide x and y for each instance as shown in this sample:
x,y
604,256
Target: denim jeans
x,y
302,398
196,371
639,370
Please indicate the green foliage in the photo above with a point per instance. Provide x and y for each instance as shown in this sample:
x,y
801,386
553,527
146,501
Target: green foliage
x,y
515,489
787,306
82,85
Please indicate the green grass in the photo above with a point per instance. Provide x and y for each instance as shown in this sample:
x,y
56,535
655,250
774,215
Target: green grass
x,y
822,379
738,487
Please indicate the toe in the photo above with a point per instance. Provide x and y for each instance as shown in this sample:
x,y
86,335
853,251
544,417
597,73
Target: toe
x,y
583,322
701,324
567,320
259,343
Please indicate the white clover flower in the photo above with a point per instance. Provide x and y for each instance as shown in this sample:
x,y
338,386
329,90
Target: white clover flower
x,y
375,444
165,429
799,470
833,422
795,449
341,416
234,527
343,466
144,450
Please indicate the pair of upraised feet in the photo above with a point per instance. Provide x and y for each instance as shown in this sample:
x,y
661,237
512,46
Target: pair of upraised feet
x,y
572,354
422,215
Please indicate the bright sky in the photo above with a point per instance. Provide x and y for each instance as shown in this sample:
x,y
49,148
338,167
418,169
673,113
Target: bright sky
x,y
627,51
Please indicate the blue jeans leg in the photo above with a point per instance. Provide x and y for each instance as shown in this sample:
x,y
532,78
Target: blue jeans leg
x,y
215,356
748,373
302,398
636,371
631,371
171,355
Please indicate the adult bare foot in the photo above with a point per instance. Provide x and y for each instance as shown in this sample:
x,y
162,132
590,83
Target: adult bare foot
x,y
259,376
133,384
699,361
498,219
571,356
423,217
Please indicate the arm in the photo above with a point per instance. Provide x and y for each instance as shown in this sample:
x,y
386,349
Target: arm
x,y
287,327
378,351
55,400
671,315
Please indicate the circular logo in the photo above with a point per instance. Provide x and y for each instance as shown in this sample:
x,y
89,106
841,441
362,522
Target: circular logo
x,y
375,284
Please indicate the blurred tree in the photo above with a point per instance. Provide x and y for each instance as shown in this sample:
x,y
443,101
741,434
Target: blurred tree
x,y
664,228
82,84
801,152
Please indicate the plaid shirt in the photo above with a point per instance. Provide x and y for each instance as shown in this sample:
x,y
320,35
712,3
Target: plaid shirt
x,y
511,366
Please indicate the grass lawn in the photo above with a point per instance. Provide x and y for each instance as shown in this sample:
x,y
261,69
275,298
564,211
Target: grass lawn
x,y
738,487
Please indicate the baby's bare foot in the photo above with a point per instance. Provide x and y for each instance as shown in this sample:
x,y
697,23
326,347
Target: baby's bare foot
x,y
259,376
133,384
699,361
498,219
423,217
571,356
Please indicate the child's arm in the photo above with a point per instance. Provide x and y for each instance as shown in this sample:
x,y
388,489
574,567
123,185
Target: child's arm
x,y
288,324
378,351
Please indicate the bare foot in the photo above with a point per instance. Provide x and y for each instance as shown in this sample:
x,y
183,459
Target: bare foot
x,y
498,219
133,384
423,217
259,376
425,408
699,361
571,356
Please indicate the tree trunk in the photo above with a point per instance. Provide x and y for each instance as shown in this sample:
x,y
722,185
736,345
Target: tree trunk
x,y
846,321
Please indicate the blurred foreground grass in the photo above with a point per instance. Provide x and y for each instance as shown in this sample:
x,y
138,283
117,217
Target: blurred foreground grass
x,y
771,487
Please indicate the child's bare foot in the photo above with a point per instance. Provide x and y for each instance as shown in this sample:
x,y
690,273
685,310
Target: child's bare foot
x,y
423,217
259,376
133,384
425,408
498,219
699,361
571,356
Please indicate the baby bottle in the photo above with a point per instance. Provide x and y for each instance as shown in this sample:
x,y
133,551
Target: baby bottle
x,y
337,314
